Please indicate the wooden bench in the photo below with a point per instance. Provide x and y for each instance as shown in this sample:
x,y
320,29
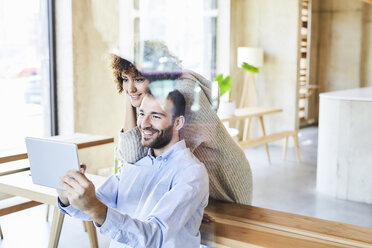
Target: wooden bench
x,y
238,225
273,137
15,204
246,115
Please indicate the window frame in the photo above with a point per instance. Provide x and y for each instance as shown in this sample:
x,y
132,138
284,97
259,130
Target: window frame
x,y
53,100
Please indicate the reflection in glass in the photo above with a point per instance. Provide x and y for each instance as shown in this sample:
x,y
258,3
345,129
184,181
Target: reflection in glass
x,y
210,4
173,23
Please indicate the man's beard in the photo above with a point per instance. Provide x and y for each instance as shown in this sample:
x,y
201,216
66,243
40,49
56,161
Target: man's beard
x,y
164,138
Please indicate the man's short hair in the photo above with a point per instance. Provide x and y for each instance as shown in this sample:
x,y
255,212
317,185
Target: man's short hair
x,y
178,100
179,103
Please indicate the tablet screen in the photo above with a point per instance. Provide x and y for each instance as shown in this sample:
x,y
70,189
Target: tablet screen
x,y
50,159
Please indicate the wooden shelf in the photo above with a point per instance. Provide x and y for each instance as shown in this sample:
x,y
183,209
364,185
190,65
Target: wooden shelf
x,y
305,11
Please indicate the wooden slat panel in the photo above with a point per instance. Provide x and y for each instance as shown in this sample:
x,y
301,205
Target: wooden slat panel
x,y
12,155
14,171
18,207
84,140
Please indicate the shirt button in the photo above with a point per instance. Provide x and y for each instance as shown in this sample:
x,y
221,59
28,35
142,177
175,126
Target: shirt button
x,y
165,160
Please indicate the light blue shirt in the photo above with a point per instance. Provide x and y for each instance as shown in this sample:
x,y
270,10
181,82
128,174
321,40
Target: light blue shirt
x,y
156,202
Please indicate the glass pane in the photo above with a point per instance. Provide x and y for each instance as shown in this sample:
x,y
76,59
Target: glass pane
x,y
210,4
23,72
136,4
136,38
210,46
189,37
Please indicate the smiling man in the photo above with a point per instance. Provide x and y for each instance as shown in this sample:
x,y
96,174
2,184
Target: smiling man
x,y
156,202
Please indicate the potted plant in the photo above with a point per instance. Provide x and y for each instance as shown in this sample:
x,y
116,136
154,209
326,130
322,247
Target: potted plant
x,y
227,106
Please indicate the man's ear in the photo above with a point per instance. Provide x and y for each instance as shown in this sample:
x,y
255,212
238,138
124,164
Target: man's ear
x,y
179,122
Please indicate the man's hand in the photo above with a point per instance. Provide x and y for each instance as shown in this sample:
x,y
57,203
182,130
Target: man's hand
x,y
81,194
62,194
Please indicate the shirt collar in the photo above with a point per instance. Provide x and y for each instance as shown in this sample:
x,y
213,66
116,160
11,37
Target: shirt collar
x,y
180,145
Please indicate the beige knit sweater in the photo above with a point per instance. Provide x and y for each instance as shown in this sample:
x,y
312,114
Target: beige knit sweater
x,y
230,176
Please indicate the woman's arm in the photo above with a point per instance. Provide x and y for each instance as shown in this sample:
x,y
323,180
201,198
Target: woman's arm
x,y
129,146
130,116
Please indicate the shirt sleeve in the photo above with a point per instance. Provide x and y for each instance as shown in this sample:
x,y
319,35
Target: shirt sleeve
x,y
107,193
187,199
71,211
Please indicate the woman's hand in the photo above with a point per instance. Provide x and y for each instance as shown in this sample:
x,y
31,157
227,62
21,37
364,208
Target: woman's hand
x,y
207,218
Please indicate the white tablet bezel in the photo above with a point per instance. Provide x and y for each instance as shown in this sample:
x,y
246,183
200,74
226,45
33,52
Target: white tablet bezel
x,y
50,159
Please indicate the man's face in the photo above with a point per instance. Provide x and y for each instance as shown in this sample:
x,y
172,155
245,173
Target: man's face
x,y
155,122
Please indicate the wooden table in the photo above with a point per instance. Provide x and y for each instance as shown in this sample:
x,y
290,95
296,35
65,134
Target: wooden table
x,y
82,140
20,184
247,114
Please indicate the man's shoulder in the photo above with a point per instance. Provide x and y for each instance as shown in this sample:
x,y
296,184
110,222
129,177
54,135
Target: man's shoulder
x,y
185,159
187,156
189,170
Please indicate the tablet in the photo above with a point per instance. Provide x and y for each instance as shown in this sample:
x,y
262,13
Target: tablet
x,y
50,159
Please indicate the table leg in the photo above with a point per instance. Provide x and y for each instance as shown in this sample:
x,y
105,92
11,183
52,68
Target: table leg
x,y
85,226
47,212
285,147
1,234
56,227
247,126
92,234
295,140
264,134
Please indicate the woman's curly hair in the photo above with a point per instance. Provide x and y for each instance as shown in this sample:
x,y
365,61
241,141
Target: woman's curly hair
x,y
122,66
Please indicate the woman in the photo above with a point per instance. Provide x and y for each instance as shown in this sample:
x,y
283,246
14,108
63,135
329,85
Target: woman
x,y
229,172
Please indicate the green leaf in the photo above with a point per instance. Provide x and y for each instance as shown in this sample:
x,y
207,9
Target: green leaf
x,y
223,83
218,77
250,68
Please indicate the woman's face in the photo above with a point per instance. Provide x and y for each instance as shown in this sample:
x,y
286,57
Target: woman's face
x,y
136,87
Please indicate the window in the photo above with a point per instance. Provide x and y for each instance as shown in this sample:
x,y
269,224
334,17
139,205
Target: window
x,y
24,72
188,28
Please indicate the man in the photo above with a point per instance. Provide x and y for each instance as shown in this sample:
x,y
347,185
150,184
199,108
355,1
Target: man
x,y
156,202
